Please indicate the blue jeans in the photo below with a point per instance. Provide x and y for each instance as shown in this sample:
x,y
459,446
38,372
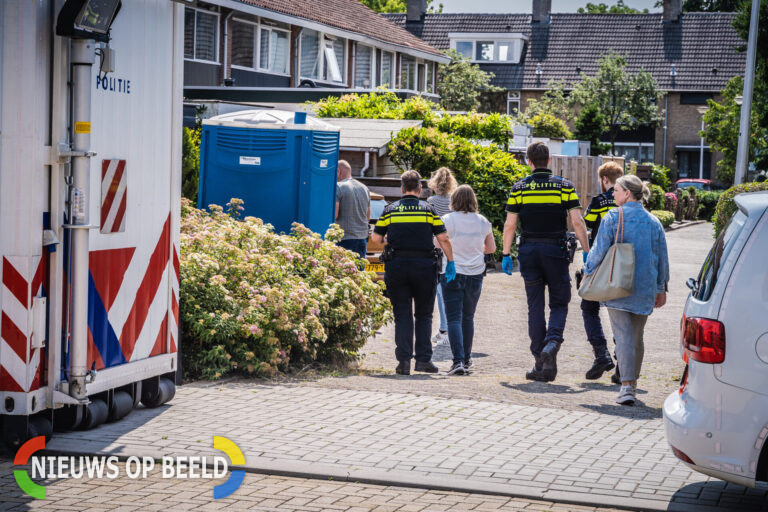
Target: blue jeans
x,y
461,296
441,307
357,245
590,312
545,266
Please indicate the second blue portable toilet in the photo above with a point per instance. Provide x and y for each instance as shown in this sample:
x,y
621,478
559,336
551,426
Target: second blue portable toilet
x,y
282,164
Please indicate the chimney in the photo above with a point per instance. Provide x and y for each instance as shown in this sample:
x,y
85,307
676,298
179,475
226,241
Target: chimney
x,y
541,10
416,9
673,9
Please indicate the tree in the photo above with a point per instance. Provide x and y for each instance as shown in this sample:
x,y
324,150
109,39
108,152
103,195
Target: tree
x,y
626,100
711,5
190,163
721,129
590,125
601,8
547,125
397,5
461,83
554,101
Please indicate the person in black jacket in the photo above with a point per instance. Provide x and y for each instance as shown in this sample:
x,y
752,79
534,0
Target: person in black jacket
x,y
608,173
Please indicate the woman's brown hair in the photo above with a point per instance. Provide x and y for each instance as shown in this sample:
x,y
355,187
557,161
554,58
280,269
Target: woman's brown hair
x,y
463,199
442,182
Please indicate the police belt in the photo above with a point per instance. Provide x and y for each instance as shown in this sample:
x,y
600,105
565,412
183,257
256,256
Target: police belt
x,y
553,239
404,253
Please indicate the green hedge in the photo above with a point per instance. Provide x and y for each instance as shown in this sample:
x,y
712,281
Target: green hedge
x,y
656,201
726,206
666,218
708,203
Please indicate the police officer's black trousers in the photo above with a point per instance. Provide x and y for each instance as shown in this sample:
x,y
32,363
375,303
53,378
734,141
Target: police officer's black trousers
x,y
590,311
545,266
411,283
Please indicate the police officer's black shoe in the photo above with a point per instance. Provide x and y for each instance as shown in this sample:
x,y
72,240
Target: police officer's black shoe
x,y
535,373
549,361
404,368
603,363
427,367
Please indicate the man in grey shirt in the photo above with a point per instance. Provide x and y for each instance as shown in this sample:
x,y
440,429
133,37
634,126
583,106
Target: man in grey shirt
x,y
353,210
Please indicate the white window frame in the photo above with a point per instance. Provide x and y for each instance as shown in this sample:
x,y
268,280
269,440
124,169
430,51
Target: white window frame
x,y
392,69
255,26
517,39
416,63
262,26
373,66
638,146
429,86
344,69
513,97
216,39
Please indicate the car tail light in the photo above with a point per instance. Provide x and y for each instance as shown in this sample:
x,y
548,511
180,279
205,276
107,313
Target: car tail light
x,y
704,340
680,455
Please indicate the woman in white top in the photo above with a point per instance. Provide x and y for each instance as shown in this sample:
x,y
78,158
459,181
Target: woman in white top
x,y
471,239
442,183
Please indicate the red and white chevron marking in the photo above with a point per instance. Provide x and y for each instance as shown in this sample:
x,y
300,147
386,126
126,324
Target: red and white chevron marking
x,y
113,196
20,368
174,299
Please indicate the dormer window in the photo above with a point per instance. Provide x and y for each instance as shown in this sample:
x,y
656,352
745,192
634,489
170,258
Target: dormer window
x,y
505,47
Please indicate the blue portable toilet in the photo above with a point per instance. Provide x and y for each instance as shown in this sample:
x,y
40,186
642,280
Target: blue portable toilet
x,y
282,164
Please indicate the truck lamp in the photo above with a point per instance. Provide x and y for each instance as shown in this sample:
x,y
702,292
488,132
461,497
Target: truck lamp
x,y
87,19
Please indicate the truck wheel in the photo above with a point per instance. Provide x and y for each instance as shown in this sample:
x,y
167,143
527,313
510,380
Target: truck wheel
x,y
96,413
67,418
122,403
162,393
40,426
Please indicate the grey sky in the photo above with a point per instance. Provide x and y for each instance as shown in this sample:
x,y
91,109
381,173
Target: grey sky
x,y
524,6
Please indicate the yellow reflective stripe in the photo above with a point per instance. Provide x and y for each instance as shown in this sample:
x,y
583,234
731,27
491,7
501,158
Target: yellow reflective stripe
x,y
383,222
542,200
437,221
410,219
590,217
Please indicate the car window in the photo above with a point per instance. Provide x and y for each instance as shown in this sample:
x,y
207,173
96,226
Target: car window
x,y
377,207
710,271
686,184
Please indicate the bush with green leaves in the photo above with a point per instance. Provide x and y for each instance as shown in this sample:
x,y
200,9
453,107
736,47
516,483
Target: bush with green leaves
x,y
547,125
656,201
661,176
707,203
253,302
496,128
726,205
190,163
666,218
489,170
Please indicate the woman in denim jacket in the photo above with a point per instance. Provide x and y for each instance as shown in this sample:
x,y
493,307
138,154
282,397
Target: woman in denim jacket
x,y
629,314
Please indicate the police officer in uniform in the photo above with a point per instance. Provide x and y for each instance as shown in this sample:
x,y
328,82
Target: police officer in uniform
x,y
541,203
411,270
608,173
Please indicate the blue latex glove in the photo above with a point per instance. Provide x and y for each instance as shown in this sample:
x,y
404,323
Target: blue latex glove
x,y
508,265
584,255
450,272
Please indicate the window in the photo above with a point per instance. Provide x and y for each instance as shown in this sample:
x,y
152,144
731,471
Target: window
x,y
273,50
322,58
385,73
200,35
637,151
364,67
430,77
717,255
465,48
695,98
489,47
513,102
243,44
688,163
310,64
334,59
484,50
407,73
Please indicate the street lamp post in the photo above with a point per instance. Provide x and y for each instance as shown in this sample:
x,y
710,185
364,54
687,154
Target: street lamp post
x,y
742,151
702,111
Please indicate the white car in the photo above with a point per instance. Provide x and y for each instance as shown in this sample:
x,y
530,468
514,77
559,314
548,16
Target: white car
x,y
717,423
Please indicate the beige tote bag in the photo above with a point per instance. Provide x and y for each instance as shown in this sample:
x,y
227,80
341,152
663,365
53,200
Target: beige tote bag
x,y
614,278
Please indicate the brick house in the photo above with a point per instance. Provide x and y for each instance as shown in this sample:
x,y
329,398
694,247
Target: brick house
x,y
292,51
691,56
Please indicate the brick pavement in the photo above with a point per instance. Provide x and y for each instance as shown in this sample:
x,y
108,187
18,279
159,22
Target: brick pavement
x,y
258,492
406,439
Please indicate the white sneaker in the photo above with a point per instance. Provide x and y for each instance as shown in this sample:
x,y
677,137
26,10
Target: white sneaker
x,y
441,338
626,396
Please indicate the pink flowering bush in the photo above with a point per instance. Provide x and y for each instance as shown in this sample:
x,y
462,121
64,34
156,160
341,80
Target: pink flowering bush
x,y
253,301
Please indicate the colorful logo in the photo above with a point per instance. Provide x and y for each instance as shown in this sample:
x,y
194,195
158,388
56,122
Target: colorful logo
x,y
235,480
22,477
